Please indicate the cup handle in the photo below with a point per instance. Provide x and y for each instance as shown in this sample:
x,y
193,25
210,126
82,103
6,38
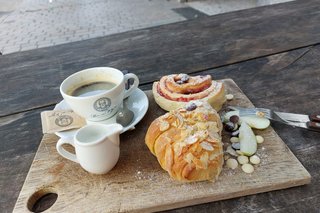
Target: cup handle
x,y
133,87
65,153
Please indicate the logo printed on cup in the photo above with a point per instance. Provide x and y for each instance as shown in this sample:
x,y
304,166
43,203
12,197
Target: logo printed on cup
x,y
102,114
102,104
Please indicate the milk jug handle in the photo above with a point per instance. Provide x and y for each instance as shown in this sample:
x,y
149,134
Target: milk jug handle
x,y
64,153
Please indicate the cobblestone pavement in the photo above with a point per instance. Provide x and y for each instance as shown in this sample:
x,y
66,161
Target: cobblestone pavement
x,y
213,7
42,23
39,23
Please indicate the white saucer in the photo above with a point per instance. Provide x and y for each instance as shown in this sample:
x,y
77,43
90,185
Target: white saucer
x,y
137,102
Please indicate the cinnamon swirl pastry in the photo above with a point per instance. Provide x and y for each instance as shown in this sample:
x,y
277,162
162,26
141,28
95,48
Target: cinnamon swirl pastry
x,y
187,142
174,91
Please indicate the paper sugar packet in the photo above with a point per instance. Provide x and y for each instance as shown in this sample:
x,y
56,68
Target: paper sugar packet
x,y
60,120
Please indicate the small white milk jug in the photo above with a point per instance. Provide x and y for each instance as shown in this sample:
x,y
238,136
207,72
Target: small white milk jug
x,y
97,147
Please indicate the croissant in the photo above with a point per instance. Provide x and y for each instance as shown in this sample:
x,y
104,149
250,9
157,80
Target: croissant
x,y
176,90
187,142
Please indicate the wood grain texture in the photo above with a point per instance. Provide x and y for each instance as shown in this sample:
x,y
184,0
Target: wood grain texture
x,y
304,144
186,47
20,137
138,183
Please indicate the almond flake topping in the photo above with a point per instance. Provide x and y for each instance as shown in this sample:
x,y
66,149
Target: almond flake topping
x,y
213,126
182,110
166,115
198,103
180,119
204,160
207,146
214,135
202,134
189,157
164,126
191,139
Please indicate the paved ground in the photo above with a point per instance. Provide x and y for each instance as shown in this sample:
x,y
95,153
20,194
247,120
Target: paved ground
x,y
213,7
39,23
30,24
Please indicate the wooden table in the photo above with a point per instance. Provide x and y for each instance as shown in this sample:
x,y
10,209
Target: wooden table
x,y
272,53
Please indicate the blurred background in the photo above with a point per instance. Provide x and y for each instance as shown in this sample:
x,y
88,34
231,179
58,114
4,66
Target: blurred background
x,y
31,24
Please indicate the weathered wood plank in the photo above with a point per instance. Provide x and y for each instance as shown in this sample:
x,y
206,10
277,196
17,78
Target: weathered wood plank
x,y
150,53
20,137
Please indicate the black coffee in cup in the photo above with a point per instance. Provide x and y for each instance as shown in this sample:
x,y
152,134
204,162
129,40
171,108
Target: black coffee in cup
x,y
93,88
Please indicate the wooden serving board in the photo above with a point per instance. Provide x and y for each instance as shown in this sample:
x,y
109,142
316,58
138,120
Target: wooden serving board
x,y
138,183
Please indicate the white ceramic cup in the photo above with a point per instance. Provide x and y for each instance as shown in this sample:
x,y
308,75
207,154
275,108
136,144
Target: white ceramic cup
x,y
99,106
97,147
